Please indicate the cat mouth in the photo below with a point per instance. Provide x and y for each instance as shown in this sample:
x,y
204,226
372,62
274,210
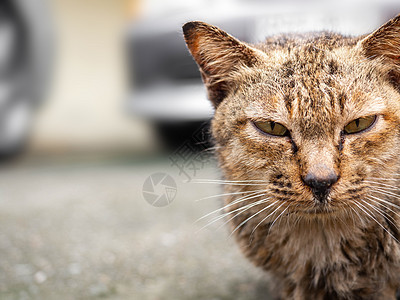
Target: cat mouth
x,y
319,209
312,213
321,198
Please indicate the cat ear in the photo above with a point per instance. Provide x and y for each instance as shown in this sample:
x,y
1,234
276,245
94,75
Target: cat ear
x,y
384,44
218,55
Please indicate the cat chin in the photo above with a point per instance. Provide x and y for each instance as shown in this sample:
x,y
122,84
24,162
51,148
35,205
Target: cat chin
x,y
323,217
317,211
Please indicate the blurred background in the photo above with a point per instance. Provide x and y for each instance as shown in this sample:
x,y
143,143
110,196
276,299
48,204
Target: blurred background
x,y
104,147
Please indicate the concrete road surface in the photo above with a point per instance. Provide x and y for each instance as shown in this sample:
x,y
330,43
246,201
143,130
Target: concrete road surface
x,y
81,229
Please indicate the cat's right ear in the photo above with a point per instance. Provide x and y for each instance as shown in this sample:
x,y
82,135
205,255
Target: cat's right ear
x,y
384,44
218,56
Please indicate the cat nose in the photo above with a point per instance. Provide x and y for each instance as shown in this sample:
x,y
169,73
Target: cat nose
x,y
320,179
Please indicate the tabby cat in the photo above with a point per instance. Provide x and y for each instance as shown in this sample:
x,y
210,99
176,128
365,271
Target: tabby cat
x,y
307,133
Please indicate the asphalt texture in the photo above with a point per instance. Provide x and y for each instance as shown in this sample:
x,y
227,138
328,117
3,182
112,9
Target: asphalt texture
x,y
82,229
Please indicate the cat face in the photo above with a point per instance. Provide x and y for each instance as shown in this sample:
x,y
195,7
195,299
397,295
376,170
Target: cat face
x,y
312,122
315,113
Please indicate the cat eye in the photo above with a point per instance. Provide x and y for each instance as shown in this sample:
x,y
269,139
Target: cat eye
x,y
359,124
272,128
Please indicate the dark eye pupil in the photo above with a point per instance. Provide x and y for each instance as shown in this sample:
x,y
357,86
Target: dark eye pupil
x,y
272,125
357,122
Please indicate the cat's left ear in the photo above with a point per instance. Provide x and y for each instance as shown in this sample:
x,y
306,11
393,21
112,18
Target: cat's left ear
x,y
384,43
218,56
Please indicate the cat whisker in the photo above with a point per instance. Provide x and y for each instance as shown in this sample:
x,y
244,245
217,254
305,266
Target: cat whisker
x,y
384,214
252,216
356,212
232,184
247,207
227,181
276,219
229,194
385,179
386,193
350,213
254,229
209,149
363,208
245,198
241,209
382,201
382,184
386,189
382,190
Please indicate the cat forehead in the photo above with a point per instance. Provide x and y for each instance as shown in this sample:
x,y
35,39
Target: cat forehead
x,y
309,93
317,87
311,54
264,101
320,76
307,43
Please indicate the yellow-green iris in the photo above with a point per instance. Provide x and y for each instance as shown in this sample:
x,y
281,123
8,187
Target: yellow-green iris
x,y
272,128
359,124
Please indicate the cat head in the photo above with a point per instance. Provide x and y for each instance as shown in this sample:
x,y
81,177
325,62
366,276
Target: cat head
x,y
314,119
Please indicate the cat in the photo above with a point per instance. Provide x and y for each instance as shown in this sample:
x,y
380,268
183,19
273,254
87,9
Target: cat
x,y
307,134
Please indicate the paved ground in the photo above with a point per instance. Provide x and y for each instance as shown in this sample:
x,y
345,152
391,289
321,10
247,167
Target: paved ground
x,y
82,230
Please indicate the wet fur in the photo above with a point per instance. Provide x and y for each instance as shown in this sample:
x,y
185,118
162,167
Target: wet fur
x,y
313,84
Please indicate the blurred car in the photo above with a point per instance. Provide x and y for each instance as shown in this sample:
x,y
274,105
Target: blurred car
x,y
25,60
166,87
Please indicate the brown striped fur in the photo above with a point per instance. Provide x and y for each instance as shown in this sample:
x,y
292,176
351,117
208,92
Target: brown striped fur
x,y
313,84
